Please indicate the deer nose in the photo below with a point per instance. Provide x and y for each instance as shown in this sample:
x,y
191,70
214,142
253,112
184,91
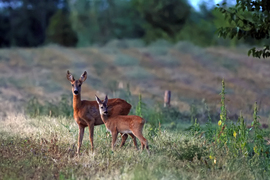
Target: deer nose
x,y
76,92
105,112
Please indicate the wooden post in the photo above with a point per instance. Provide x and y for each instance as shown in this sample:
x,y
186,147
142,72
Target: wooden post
x,y
167,98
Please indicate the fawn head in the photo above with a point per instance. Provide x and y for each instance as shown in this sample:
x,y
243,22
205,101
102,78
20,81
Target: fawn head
x,y
76,84
103,108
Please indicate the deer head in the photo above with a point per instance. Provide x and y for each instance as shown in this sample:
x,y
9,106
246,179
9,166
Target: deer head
x,y
76,84
103,108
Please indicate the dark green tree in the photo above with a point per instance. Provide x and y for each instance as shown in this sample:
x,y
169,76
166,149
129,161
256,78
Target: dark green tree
x,y
102,20
24,22
247,19
4,29
163,18
60,31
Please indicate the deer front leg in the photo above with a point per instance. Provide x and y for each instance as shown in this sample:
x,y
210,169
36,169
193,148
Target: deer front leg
x,y
91,135
114,137
80,138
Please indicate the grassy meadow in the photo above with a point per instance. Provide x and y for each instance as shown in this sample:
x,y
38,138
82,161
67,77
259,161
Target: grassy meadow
x,y
211,131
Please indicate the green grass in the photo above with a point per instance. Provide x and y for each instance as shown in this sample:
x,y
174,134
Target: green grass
x,y
44,148
40,142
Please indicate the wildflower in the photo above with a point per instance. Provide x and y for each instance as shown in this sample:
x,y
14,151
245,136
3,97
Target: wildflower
x,y
255,149
215,161
219,122
211,157
221,117
234,134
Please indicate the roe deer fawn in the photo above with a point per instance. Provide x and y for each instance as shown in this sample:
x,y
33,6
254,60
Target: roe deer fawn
x,y
86,113
122,124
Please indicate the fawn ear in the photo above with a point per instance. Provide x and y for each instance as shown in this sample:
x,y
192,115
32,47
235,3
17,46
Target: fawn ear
x,y
106,100
70,77
83,76
98,100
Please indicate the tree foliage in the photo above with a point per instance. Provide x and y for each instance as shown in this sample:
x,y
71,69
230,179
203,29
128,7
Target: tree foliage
x,y
163,18
248,19
31,23
24,22
60,31
102,20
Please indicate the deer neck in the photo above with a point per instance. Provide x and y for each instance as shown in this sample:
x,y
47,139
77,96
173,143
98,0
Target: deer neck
x,y
104,118
77,102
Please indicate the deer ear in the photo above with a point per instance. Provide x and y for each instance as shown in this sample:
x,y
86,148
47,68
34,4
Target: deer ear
x,y
83,76
106,100
70,77
98,100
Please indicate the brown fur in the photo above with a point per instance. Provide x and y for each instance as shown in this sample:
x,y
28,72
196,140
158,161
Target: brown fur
x,y
121,123
86,113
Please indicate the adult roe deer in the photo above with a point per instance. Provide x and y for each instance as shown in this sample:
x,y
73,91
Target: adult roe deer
x,y
86,113
122,123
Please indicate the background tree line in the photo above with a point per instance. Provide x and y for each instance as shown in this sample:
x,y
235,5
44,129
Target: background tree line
x,y
31,23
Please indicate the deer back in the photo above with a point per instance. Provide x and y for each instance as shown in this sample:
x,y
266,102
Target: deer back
x,y
124,123
89,110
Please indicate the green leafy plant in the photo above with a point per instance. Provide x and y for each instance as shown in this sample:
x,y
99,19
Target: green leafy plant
x,y
259,145
195,128
247,19
209,133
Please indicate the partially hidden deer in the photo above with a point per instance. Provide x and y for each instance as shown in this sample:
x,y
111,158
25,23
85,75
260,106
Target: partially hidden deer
x,y
86,113
122,124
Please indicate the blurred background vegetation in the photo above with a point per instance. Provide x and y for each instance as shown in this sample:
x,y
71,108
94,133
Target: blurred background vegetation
x,y
134,50
80,23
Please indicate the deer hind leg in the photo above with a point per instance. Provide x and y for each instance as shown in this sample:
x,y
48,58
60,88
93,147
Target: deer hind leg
x,y
124,138
114,137
134,140
80,138
142,145
144,142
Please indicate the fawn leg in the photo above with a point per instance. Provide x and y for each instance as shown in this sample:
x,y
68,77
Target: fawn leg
x,y
114,137
143,140
124,138
142,146
134,140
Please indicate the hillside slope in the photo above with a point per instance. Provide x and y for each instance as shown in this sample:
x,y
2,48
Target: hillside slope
x,y
192,74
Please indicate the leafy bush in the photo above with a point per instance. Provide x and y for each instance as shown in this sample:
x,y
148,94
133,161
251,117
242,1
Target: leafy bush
x,y
60,31
125,43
